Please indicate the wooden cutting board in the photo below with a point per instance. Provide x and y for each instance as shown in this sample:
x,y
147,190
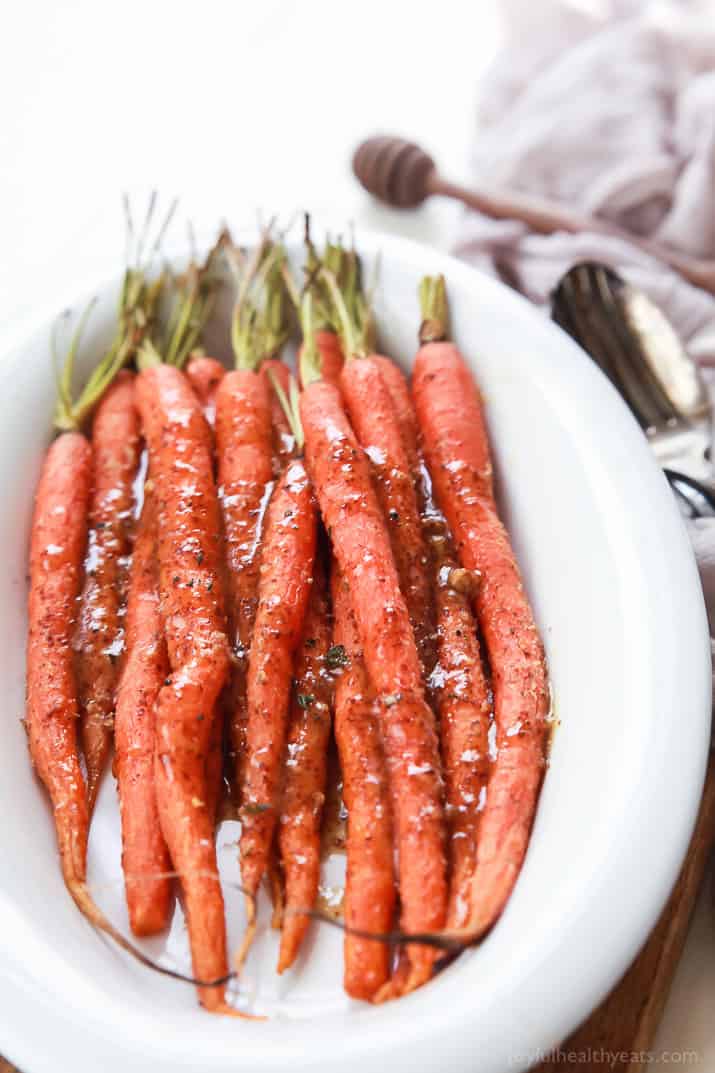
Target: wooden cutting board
x,y
626,1021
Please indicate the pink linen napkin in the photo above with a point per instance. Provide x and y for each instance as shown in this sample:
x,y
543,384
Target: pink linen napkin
x,y
613,113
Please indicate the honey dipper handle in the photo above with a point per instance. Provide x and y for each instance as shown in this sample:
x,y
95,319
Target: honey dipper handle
x,y
403,175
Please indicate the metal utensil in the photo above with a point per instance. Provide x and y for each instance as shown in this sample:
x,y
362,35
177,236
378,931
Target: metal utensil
x,y
636,346
403,175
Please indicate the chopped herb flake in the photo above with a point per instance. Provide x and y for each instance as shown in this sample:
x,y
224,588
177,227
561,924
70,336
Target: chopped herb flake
x,y
336,657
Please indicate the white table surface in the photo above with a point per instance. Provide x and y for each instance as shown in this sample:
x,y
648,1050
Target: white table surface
x,y
233,107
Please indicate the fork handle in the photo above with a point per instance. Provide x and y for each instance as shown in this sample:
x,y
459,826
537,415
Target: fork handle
x,y
402,174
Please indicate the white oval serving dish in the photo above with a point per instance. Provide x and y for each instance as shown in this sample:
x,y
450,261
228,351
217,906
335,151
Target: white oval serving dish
x,y
610,571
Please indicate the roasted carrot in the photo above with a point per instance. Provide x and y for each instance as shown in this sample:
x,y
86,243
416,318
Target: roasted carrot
x,y
145,858
369,902
243,443
59,536
331,356
305,769
458,682
287,556
205,374
294,864
192,608
100,635
464,704
245,466
57,548
456,447
373,416
352,516
190,582
396,384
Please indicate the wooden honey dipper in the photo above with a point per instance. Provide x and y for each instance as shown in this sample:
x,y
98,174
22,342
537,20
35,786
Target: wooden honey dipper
x,y
403,175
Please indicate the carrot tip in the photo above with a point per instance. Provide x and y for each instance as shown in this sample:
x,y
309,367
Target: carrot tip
x,y
248,937
225,1010
288,951
276,897
92,794
389,990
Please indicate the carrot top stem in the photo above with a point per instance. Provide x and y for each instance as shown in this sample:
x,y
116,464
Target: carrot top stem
x,y
137,305
335,259
348,326
332,299
191,311
133,294
310,369
259,321
290,405
194,298
273,323
350,310
138,300
433,309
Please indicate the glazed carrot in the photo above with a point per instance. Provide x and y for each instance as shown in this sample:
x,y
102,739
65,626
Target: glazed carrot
x,y
99,640
287,557
243,442
180,454
331,356
59,536
457,452
373,417
372,413
245,464
144,851
58,543
278,380
57,548
369,901
190,582
396,384
205,374
361,545
305,769
458,682
464,705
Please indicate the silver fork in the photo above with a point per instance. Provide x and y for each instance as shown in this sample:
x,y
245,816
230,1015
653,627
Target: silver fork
x,y
636,346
